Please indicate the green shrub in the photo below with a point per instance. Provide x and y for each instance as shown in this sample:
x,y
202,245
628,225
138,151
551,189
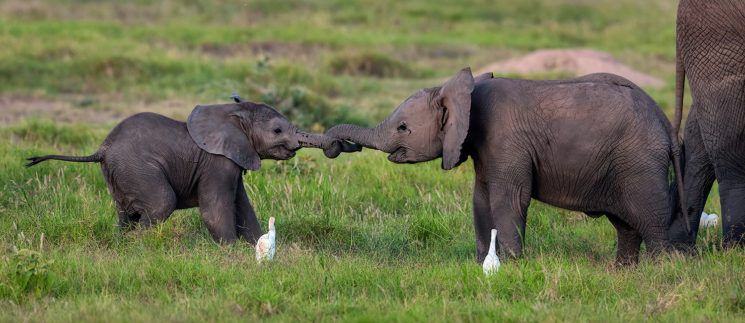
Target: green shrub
x,y
28,274
370,64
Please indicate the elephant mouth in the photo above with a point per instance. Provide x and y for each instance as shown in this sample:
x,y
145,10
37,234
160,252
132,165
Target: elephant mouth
x,y
399,156
290,153
283,153
404,155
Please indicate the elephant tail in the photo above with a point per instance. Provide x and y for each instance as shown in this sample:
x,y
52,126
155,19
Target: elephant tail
x,y
97,158
676,153
680,75
680,82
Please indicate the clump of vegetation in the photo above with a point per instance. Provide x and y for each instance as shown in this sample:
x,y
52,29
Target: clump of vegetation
x,y
370,64
286,88
307,109
27,274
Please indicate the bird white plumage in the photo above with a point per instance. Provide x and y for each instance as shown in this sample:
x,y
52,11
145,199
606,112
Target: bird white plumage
x,y
491,262
709,220
265,246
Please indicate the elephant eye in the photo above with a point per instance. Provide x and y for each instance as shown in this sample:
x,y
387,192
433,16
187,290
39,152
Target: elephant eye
x,y
278,131
402,127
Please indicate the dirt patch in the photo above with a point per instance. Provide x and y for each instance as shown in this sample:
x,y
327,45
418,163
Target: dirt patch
x,y
572,61
76,110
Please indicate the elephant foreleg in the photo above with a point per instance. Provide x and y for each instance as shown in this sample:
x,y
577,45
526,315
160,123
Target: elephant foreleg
x,y
247,224
482,219
217,205
508,208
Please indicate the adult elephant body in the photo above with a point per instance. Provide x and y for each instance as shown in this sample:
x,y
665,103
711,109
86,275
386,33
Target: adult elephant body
x,y
596,144
711,53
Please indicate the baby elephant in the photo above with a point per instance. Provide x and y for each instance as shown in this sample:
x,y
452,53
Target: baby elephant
x,y
154,165
596,144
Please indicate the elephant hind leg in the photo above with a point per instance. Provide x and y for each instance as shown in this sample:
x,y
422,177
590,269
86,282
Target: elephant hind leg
x,y
146,198
629,242
733,213
152,205
729,167
160,212
647,210
128,221
723,132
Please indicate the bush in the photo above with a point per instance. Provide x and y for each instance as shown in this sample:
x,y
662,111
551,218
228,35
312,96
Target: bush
x,y
370,64
307,109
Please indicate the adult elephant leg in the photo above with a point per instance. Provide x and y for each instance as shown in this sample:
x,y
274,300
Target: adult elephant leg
x,y
730,171
698,176
732,195
247,224
726,146
629,242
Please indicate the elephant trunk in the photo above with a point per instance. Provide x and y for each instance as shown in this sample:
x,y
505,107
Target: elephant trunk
x,y
331,147
367,137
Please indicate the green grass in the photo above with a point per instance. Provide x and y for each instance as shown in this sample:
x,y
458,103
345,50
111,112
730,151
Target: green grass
x,y
396,243
360,239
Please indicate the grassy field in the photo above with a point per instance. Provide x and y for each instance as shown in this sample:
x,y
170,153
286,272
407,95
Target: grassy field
x,y
360,239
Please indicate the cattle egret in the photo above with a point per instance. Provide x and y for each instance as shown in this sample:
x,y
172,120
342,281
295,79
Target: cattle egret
x,y
709,220
491,262
265,246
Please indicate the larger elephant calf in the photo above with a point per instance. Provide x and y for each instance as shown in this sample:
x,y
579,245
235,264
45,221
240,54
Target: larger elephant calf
x,y
596,144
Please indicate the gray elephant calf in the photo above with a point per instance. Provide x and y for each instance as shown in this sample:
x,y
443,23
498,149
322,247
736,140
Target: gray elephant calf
x,y
154,165
596,144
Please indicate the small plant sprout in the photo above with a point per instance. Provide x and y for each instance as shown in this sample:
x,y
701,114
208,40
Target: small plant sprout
x,y
265,246
491,262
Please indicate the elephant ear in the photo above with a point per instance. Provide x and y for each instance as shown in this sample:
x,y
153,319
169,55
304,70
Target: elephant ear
x,y
455,96
482,77
212,130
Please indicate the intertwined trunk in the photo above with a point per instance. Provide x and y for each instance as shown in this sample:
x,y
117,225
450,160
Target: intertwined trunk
x,y
331,147
367,137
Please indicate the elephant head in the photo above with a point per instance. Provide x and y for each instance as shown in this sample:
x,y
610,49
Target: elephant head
x,y
247,132
429,124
